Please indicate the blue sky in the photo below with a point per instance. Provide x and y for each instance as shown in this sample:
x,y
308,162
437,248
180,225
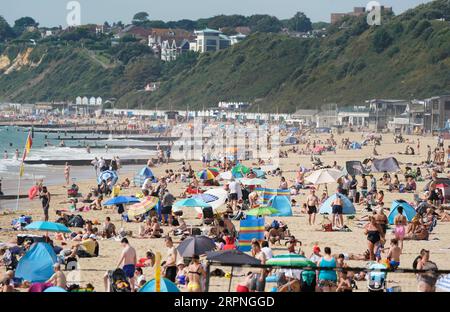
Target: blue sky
x,y
53,12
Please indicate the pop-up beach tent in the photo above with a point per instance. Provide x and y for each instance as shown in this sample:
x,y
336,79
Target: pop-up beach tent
x,y
389,164
276,198
143,174
291,140
355,145
348,207
37,264
355,167
408,211
282,204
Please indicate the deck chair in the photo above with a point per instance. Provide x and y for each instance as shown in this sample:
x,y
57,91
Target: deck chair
x,y
208,215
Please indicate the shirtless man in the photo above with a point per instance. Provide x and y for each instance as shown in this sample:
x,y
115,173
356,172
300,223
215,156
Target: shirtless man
x,y
58,278
337,210
312,201
128,259
259,279
171,262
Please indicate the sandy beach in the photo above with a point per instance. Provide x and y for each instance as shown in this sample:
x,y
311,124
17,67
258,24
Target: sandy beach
x,y
93,269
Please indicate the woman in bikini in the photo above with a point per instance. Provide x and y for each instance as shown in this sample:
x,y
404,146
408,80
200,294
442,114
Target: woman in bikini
x,y
374,234
195,272
400,223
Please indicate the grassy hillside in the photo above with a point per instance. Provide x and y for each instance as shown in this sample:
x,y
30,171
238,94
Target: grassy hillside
x,y
407,56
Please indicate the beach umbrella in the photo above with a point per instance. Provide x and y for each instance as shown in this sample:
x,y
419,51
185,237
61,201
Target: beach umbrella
x,y
55,289
106,175
121,200
232,256
254,181
147,204
262,211
227,175
215,197
47,226
239,171
166,286
191,202
208,174
443,283
196,245
323,176
294,260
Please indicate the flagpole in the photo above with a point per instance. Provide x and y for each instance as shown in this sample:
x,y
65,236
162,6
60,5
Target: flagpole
x,y
26,150
18,190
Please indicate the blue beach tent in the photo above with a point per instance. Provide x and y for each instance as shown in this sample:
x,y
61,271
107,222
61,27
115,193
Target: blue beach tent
x,y
282,204
37,264
347,209
291,140
355,145
408,211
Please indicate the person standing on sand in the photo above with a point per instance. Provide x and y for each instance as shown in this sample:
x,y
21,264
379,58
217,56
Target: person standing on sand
x,y
95,163
45,198
400,223
129,260
312,202
67,173
171,262
337,210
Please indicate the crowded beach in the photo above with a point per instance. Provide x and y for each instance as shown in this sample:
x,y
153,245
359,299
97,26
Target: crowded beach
x,y
333,212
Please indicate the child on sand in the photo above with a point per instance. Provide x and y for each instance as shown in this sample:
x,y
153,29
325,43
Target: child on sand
x,y
394,254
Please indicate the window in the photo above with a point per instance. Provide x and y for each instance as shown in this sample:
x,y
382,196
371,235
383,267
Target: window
x,y
224,44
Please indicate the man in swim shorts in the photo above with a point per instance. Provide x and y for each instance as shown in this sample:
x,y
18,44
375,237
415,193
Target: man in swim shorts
x,y
128,259
312,201
337,210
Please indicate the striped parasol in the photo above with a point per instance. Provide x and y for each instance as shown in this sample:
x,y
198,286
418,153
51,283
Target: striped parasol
x,y
208,174
147,204
294,260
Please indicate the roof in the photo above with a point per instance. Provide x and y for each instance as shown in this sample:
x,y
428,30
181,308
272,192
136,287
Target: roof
x,y
170,33
208,30
306,112
354,109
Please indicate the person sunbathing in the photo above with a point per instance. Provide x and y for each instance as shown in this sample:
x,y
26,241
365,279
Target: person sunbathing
x,y
443,216
156,229
182,226
420,233
146,229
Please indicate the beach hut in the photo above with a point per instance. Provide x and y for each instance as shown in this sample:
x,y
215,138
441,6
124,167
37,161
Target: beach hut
x,y
355,145
348,208
37,264
408,211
